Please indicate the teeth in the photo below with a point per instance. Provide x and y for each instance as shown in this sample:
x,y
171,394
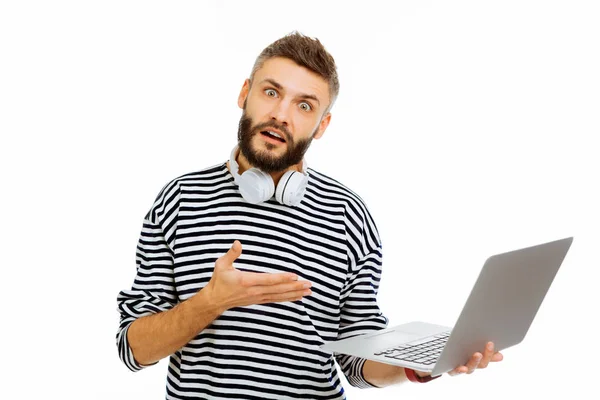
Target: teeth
x,y
274,134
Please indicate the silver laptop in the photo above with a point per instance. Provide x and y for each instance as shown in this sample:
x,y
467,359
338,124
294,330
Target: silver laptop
x,y
501,307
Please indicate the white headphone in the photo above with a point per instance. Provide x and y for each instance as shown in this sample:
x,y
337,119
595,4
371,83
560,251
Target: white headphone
x,y
257,186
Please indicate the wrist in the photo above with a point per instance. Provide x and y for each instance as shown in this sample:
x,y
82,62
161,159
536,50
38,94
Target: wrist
x,y
418,376
422,374
204,302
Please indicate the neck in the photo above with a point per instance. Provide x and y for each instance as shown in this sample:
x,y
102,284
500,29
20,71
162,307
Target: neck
x,y
276,176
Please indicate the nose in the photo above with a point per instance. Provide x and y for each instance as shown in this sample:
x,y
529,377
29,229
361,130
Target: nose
x,y
281,112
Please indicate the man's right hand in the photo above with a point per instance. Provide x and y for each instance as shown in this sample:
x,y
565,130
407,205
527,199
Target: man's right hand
x,y
156,336
230,288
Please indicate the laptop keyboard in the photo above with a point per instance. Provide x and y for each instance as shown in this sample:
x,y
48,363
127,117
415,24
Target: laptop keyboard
x,y
424,351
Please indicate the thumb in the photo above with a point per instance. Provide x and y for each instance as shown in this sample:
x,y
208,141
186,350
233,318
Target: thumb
x,y
232,254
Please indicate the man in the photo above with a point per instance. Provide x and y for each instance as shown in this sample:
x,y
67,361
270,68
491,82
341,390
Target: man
x,y
307,256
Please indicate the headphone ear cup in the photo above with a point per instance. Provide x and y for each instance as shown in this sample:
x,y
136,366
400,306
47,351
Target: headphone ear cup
x,y
291,188
256,186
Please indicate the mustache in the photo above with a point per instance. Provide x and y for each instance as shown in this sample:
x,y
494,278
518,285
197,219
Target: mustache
x,y
271,124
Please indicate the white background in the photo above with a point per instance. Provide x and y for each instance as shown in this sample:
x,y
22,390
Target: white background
x,y
468,127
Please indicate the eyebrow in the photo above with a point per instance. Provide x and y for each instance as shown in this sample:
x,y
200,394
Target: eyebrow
x,y
302,95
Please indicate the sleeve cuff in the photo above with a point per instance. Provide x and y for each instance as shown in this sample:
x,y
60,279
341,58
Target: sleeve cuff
x,y
357,379
126,353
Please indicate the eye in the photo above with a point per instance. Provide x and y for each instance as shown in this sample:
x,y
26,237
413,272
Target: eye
x,y
305,106
271,92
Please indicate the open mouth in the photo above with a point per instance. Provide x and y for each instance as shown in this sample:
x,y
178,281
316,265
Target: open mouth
x,y
273,135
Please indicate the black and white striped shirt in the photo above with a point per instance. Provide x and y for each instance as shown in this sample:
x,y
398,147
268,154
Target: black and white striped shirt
x,y
268,351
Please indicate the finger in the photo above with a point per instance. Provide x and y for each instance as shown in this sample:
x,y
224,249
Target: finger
x,y
474,362
497,357
469,367
487,355
282,297
232,254
279,288
458,371
267,279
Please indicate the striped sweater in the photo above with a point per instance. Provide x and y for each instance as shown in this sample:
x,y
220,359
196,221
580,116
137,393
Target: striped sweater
x,y
268,351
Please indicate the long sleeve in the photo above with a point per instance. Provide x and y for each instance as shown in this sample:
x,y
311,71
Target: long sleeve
x,y
360,313
153,289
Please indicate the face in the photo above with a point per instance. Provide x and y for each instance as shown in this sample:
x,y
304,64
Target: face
x,y
282,112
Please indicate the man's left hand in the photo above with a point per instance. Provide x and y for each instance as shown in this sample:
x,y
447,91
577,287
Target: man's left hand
x,y
478,361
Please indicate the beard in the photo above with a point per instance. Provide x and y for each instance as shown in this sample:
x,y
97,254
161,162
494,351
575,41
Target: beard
x,y
263,160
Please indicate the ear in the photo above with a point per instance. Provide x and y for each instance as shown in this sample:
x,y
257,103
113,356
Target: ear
x,y
244,93
322,126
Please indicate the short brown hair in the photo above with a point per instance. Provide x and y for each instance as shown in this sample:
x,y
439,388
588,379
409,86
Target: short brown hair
x,y
306,52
